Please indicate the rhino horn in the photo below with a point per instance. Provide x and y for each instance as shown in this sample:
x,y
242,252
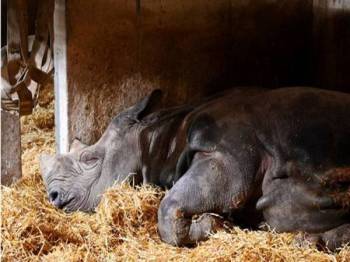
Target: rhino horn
x,y
77,145
46,163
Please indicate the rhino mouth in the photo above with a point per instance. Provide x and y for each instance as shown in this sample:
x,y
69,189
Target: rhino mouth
x,y
65,205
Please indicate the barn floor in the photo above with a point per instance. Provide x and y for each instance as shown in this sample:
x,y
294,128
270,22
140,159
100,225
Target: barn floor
x,y
124,226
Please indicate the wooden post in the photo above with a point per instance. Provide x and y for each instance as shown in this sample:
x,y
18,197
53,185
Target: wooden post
x,y
11,168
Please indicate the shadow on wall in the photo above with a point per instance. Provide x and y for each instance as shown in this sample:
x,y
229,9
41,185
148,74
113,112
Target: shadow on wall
x,y
190,49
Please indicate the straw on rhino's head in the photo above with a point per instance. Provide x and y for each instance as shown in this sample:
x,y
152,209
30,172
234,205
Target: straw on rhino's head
x,y
76,180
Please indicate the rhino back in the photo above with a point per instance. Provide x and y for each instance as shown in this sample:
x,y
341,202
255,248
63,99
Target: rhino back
x,y
307,124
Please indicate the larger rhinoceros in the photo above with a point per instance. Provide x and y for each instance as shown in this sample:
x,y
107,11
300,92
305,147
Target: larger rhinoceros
x,y
280,155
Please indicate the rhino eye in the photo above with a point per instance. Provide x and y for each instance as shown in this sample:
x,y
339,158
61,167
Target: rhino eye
x,y
89,160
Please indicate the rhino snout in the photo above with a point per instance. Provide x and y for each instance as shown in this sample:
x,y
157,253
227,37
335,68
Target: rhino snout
x,y
56,199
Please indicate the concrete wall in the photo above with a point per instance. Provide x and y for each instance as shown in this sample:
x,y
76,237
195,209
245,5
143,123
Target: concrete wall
x,y
119,50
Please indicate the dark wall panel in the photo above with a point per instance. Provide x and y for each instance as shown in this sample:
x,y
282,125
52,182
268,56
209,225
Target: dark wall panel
x,y
331,44
271,42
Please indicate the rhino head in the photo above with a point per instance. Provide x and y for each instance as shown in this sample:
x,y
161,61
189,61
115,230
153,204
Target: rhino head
x,y
76,180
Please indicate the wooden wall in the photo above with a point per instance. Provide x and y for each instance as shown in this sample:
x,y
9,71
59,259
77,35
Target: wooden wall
x,y
331,44
118,50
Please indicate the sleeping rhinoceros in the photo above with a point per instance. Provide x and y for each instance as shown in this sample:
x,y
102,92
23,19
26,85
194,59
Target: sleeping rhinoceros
x,y
282,156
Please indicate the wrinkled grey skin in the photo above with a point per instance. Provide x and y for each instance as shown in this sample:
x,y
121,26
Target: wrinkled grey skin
x,y
76,181
248,154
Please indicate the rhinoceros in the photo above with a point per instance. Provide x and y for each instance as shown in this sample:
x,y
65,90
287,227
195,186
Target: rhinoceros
x,y
249,154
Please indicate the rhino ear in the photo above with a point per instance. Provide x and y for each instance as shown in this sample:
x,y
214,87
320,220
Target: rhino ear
x,y
46,163
146,105
76,145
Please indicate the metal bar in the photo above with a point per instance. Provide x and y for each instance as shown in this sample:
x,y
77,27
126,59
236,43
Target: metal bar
x,y
61,90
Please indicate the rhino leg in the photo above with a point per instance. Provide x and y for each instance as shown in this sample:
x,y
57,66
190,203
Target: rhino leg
x,y
208,186
187,198
331,239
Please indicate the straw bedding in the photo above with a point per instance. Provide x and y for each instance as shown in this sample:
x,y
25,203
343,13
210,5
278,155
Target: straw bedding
x,y
124,225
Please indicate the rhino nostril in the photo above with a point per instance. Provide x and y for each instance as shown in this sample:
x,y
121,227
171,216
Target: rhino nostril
x,y
53,196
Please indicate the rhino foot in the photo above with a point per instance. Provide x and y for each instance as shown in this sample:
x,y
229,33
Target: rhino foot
x,y
178,230
327,241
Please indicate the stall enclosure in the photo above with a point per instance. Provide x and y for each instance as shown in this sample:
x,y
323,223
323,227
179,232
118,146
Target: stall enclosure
x,y
110,53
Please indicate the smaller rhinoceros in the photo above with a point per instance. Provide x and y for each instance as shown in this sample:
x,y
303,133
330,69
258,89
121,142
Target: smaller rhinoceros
x,y
280,155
